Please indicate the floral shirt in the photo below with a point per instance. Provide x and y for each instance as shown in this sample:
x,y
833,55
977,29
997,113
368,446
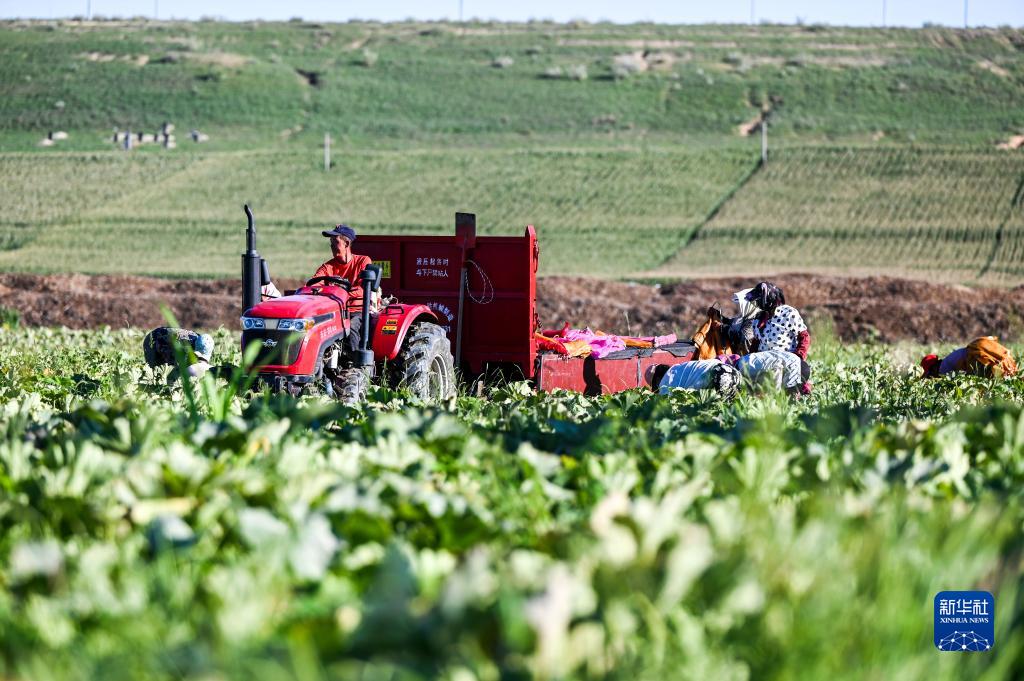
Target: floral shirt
x,y
781,331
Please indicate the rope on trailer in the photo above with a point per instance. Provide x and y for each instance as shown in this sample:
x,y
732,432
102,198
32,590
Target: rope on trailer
x,y
487,293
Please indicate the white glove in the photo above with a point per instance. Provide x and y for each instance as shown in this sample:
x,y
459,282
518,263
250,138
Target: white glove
x,y
198,369
270,291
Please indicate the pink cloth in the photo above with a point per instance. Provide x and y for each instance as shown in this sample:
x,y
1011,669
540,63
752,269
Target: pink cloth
x,y
600,346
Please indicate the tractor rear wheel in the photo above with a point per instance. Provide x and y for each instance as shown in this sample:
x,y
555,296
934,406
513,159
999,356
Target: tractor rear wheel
x,y
350,385
425,365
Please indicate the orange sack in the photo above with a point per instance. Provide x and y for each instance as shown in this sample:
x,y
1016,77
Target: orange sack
x,y
710,339
986,356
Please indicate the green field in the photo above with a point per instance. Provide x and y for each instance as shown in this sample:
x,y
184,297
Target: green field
x,y
882,141
942,214
148,532
182,216
207,532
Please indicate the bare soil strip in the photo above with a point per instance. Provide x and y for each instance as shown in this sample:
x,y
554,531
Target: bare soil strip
x,y
857,308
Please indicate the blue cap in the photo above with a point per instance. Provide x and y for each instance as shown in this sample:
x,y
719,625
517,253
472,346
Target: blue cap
x,y
341,230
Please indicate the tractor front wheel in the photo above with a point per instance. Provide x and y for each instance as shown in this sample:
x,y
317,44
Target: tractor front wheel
x,y
350,385
425,365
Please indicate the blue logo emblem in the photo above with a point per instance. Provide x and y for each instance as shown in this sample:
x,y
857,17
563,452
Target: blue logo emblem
x,y
965,621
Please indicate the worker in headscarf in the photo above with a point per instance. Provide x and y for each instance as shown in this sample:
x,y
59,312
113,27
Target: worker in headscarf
x,y
158,348
779,326
704,374
984,356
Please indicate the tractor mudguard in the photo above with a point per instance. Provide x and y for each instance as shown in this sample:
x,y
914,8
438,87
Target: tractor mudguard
x,y
393,323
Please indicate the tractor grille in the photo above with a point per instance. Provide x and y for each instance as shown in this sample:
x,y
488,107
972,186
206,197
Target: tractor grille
x,y
276,347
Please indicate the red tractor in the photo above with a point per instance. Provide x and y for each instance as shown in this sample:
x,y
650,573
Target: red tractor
x,y
302,339
476,295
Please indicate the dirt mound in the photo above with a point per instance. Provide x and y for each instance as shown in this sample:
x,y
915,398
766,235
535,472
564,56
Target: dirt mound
x,y
80,301
861,308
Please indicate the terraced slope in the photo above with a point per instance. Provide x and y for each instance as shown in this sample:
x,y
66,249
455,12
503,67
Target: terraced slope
x,y
603,213
947,214
951,215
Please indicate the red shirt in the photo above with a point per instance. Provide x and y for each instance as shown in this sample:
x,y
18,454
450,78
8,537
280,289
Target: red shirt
x,y
350,271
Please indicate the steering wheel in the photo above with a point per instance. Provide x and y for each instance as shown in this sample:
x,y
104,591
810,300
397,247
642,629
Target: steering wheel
x,y
333,281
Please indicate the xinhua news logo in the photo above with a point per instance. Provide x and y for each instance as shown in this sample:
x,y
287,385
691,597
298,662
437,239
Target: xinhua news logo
x,y
965,621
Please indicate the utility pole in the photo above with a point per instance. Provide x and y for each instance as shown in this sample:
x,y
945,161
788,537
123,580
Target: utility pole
x,y
156,9
460,11
965,13
883,13
88,9
752,12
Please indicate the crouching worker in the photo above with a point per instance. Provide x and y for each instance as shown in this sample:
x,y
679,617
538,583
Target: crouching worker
x,y
779,326
704,374
984,357
775,369
158,349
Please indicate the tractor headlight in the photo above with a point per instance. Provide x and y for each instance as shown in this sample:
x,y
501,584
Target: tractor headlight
x,y
253,323
295,324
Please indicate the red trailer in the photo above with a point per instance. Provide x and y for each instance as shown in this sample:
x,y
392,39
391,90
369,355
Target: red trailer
x,y
483,290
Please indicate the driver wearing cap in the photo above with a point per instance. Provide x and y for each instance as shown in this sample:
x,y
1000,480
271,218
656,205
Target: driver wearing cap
x,y
345,264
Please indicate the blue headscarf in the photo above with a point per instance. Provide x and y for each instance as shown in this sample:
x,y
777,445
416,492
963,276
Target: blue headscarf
x,y
202,345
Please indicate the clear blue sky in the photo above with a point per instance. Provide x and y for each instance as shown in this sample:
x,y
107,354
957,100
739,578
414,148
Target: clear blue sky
x,y
839,12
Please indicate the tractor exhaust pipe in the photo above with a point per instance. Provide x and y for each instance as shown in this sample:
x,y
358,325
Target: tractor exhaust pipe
x,y
370,280
255,272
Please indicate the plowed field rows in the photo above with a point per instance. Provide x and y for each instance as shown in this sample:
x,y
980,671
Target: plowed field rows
x,y
602,213
949,215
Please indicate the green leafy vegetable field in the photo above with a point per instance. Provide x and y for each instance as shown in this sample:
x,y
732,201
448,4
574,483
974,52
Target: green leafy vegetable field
x,y
151,532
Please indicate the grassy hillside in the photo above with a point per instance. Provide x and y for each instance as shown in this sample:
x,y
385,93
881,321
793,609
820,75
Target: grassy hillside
x,y
618,142
419,81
